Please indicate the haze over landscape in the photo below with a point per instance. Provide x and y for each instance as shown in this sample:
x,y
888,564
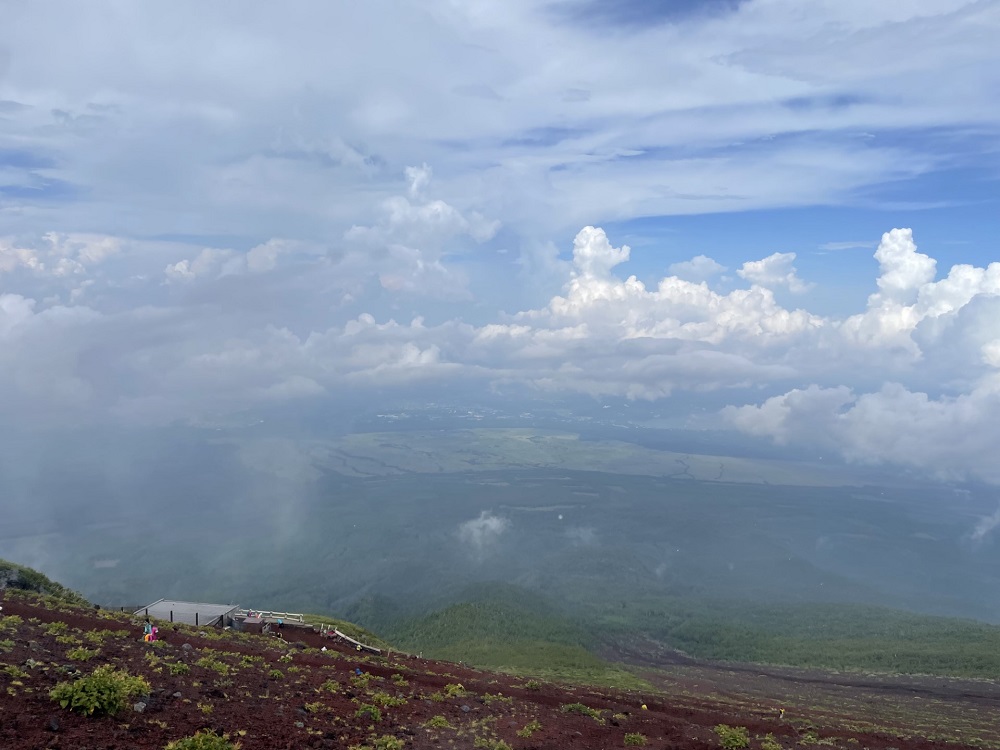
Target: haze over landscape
x,y
370,308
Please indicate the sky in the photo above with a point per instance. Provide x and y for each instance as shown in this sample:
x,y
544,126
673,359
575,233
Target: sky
x,y
208,209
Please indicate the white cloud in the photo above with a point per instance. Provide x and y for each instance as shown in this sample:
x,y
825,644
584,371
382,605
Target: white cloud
x,y
774,271
413,235
210,261
699,268
848,245
241,128
908,295
481,533
985,526
951,437
58,254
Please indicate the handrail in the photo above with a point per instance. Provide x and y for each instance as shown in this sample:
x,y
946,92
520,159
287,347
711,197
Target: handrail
x,y
267,614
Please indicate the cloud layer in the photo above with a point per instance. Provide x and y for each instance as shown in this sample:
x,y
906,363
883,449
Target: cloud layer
x,y
203,215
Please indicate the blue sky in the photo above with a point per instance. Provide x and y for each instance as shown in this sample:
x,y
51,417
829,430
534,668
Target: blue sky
x,y
208,209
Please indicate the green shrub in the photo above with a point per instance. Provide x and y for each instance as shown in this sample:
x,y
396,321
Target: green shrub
x,y
207,662
363,680
455,690
385,742
733,738
99,636
203,740
438,722
634,738
178,668
9,623
6,645
770,743
82,654
398,679
491,743
529,729
104,692
579,708
55,628
368,711
382,698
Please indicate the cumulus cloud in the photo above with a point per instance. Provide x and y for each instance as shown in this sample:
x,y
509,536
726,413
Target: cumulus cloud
x,y
912,380
699,268
481,533
909,297
774,271
58,254
412,236
306,241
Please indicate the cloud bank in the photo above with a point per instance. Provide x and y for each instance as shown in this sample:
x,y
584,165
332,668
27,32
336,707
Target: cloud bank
x,y
201,217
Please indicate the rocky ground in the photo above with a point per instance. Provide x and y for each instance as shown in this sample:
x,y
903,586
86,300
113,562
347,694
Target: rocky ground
x,y
274,694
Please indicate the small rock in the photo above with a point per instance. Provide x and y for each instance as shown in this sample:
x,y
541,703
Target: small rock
x,y
299,724
465,708
187,647
53,725
139,707
177,694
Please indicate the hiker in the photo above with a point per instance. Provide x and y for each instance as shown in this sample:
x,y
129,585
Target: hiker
x,y
152,633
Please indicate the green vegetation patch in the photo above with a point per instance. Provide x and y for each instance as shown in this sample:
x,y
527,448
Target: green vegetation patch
x,y
511,630
438,722
579,708
18,577
82,654
204,740
732,738
105,692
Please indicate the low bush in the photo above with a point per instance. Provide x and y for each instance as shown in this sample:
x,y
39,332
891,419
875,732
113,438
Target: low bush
x,y
438,722
370,712
207,662
634,738
204,740
82,654
105,692
733,738
455,690
529,729
579,708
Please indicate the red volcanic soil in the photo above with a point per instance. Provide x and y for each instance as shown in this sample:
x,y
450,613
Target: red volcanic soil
x,y
275,694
